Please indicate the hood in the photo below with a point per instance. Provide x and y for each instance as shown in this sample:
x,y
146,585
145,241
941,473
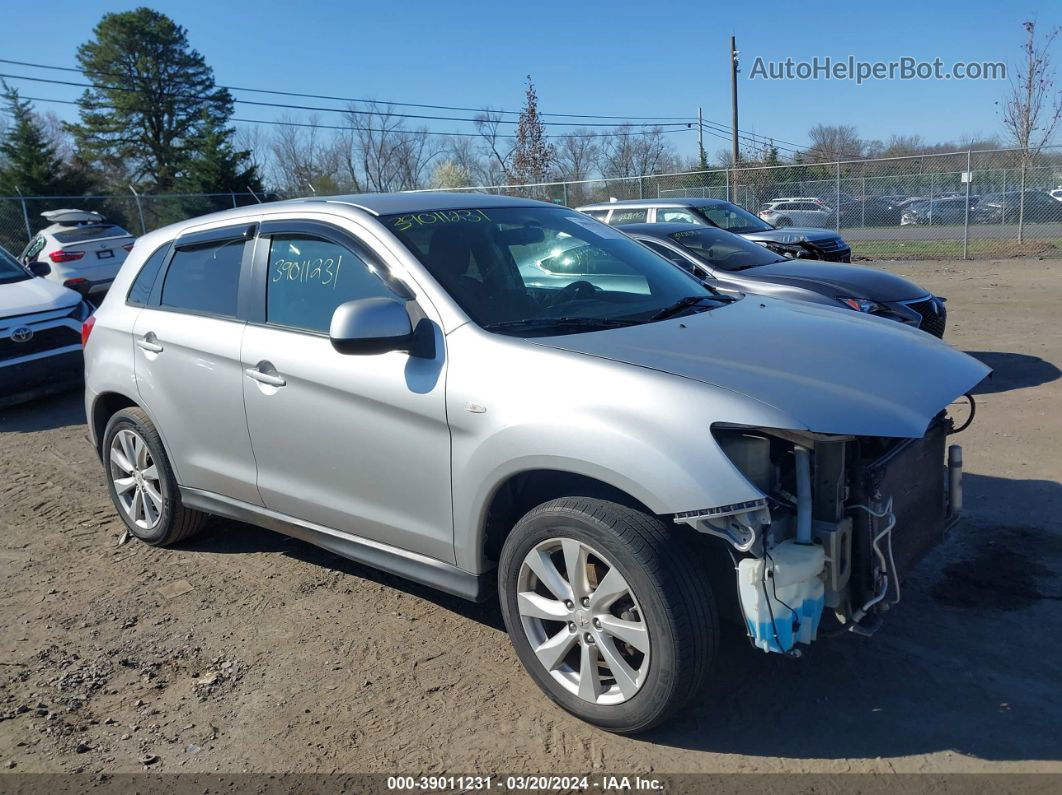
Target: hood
x,y
35,295
833,280
793,234
832,370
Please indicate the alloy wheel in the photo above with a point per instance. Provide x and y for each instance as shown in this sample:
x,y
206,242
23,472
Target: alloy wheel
x,y
583,621
136,479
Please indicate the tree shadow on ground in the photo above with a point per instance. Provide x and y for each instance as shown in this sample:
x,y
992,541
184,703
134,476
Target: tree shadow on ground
x,y
1013,371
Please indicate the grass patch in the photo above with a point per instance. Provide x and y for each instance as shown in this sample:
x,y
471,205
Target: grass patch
x,y
952,249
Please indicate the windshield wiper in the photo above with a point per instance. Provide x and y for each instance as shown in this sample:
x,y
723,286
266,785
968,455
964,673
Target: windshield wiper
x,y
684,303
560,322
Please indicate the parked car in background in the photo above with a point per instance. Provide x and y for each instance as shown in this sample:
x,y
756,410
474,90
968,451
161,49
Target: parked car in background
x,y
40,334
79,250
732,263
810,243
1004,208
604,458
870,211
798,212
935,211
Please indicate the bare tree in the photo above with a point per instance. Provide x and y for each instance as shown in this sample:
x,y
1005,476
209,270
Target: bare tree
x,y
628,152
831,142
498,148
253,138
379,153
1034,108
305,159
578,154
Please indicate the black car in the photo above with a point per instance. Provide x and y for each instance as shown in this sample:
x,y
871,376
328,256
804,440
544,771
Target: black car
x,y
804,242
730,262
1004,208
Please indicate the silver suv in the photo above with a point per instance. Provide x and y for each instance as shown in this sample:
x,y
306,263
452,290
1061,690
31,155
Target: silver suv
x,y
624,460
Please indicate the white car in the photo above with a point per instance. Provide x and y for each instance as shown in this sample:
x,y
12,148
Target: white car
x,y
79,250
40,334
797,211
1056,194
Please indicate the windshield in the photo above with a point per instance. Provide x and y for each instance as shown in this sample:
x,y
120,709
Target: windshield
x,y
723,250
734,219
544,270
10,270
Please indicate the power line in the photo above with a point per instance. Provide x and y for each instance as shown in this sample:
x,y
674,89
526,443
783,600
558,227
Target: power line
x,y
748,135
288,106
380,101
285,123
760,141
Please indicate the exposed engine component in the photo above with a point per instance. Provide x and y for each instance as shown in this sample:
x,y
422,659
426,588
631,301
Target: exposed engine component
x,y
782,595
843,519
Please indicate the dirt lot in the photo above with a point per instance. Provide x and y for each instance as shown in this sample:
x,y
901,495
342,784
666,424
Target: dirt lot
x,y
246,651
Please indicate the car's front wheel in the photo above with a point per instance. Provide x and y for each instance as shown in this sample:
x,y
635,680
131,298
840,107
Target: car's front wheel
x,y
141,482
607,610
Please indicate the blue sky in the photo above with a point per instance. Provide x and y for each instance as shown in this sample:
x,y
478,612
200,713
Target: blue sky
x,y
620,58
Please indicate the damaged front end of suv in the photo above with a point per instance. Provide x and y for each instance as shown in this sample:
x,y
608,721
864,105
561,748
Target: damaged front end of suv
x,y
842,521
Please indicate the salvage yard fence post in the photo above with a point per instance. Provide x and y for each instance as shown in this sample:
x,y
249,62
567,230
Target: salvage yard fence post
x,y
966,219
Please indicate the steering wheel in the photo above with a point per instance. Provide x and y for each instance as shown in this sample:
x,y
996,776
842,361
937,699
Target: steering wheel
x,y
571,292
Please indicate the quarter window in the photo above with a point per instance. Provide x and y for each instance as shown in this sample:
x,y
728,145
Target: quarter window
x,y
145,279
309,277
205,278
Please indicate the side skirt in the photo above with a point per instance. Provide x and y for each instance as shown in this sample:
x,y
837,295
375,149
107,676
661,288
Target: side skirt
x,y
410,565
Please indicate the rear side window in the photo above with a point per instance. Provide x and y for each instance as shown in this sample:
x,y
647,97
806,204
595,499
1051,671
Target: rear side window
x,y
205,278
145,280
678,216
629,216
309,277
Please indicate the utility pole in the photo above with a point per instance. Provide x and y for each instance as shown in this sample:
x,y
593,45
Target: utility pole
x,y
700,137
734,111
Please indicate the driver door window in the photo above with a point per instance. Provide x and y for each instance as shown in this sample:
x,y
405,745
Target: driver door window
x,y
309,277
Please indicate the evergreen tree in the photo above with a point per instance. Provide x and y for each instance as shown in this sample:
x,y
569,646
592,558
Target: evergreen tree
x,y
533,154
153,98
29,162
216,167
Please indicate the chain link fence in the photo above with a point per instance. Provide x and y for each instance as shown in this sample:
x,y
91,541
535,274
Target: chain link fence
x,y
976,204
981,204
20,216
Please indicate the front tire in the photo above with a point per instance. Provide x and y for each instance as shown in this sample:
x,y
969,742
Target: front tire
x,y
607,611
141,482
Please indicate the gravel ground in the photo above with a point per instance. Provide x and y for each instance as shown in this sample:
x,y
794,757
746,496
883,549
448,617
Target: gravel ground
x,y
245,651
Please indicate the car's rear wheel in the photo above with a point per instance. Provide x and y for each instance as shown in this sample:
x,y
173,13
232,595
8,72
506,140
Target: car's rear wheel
x,y
783,222
607,611
141,482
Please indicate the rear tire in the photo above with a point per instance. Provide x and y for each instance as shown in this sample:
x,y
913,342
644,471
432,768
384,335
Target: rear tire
x,y
141,482
647,652
781,223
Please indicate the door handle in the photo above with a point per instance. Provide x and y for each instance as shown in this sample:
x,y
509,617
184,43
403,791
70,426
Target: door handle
x,y
149,343
265,375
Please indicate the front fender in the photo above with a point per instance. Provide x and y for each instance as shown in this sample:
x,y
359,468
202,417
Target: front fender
x,y
516,407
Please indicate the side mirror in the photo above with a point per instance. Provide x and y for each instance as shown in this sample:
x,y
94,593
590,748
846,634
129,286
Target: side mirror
x,y
38,268
379,325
